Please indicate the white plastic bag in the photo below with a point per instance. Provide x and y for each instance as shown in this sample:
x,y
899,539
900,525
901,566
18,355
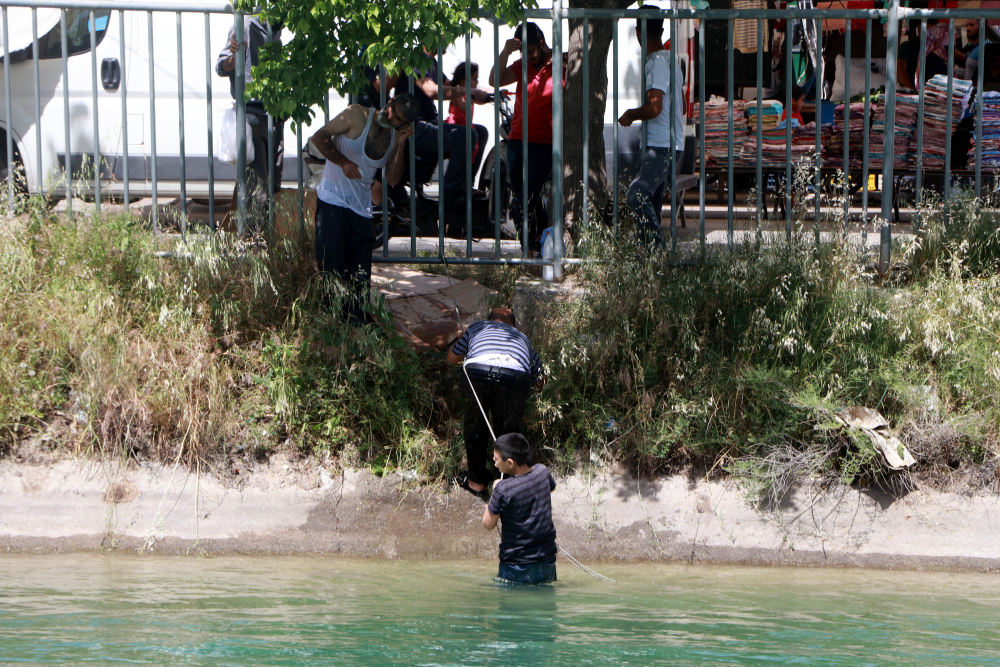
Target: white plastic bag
x,y
228,149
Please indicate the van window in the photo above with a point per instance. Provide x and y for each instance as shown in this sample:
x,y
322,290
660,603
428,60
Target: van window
x,y
78,33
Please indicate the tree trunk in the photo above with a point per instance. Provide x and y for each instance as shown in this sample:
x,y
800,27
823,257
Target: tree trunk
x,y
601,32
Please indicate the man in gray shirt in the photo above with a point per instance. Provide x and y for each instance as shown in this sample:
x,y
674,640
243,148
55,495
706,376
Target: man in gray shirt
x,y
255,34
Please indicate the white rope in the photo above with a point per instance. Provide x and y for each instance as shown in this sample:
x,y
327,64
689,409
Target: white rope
x,y
596,575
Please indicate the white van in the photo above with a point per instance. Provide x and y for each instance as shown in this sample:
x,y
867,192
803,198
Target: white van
x,y
116,76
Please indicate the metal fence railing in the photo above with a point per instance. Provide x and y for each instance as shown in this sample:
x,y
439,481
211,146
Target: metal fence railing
x,y
126,164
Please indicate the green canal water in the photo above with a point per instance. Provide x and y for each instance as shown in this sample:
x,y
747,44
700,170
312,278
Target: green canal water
x,y
112,609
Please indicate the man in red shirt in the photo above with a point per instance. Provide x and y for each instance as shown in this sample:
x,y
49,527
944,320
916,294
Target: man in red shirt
x,y
539,127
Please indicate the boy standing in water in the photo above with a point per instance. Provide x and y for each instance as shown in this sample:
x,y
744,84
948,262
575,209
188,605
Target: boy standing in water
x,y
524,501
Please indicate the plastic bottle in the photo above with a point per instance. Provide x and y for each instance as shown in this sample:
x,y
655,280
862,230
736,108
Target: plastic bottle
x,y
548,252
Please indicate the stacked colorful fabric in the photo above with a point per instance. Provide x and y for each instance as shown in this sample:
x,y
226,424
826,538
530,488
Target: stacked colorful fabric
x,y
770,115
935,136
774,143
906,120
833,151
991,134
717,127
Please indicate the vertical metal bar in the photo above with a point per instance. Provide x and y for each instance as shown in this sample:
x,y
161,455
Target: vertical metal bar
x,y
947,136
383,99
326,107
525,250
97,127
154,209
38,104
557,140
440,87
270,159
180,136
208,104
643,125
701,139
921,79
980,98
864,149
65,86
302,203
614,125
888,141
495,182
819,117
7,103
586,122
789,37
468,144
730,80
761,185
673,145
413,187
847,128
124,87
241,123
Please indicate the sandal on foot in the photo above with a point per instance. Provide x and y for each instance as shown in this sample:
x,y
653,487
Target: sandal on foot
x,y
462,480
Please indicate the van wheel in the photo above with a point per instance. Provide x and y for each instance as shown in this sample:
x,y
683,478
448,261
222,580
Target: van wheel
x,y
20,182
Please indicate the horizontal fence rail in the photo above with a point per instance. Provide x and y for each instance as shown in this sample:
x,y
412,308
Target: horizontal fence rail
x,y
459,213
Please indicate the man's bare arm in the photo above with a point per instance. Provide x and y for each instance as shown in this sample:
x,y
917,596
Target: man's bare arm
x,y
647,111
342,123
430,88
490,519
394,167
506,77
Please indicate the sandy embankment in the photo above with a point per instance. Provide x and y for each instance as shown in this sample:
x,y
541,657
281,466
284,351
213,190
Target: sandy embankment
x,y
303,509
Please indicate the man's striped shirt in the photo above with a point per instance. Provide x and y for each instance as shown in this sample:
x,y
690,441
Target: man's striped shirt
x,y
493,337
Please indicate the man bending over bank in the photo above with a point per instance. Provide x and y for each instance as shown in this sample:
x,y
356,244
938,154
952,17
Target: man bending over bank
x,y
523,503
356,143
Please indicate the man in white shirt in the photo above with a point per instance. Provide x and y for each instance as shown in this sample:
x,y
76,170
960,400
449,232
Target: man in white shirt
x,y
661,148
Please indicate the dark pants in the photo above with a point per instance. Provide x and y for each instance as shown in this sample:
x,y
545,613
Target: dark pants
x,y
539,171
259,195
504,402
344,249
530,573
480,135
645,194
425,140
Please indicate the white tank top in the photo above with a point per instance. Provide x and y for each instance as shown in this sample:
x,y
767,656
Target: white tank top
x,y
353,193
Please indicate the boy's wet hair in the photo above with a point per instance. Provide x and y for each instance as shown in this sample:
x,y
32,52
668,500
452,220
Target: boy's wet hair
x,y
513,446
505,315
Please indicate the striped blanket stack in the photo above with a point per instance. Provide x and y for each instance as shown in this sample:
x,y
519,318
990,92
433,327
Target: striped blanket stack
x,y
906,121
833,147
717,128
991,133
774,143
936,137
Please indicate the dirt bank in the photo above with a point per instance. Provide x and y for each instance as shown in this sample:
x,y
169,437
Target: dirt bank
x,y
300,507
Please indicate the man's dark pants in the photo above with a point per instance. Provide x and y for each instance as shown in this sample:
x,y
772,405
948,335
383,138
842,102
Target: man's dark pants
x,y
503,400
258,193
425,138
645,194
344,249
539,171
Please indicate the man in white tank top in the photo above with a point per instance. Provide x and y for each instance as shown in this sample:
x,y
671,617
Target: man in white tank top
x,y
357,143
